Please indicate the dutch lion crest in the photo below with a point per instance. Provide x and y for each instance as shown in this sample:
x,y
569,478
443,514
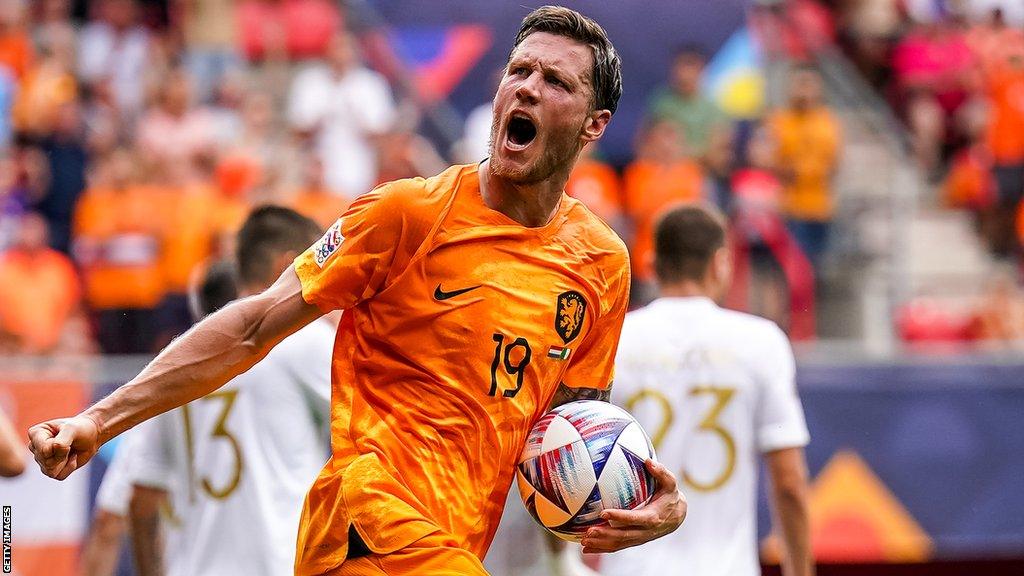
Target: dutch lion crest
x,y
569,318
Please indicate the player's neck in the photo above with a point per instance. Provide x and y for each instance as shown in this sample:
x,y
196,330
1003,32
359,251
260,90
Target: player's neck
x,y
685,289
532,205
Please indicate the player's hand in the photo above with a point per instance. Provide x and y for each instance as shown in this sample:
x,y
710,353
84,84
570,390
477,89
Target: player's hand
x,y
626,528
64,445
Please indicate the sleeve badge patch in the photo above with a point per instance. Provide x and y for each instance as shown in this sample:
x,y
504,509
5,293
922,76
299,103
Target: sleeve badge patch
x,y
326,246
569,315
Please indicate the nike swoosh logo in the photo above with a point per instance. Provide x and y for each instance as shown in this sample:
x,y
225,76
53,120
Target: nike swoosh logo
x,y
442,295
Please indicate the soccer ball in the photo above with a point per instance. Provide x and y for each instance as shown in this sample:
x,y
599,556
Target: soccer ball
x,y
580,459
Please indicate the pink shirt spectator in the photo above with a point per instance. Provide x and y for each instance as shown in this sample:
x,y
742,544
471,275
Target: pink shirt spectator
x,y
303,26
176,140
939,61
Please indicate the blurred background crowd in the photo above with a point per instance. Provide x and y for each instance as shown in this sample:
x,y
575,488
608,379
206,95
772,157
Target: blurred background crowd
x,y
136,134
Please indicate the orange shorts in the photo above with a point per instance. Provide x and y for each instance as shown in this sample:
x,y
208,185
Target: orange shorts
x,y
433,555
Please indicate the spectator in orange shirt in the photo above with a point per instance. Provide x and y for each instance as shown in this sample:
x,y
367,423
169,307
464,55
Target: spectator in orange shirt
x,y
314,199
1006,130
662,175
809,139
39,290
46,87
117,242
970,183
193,226
16,52
597,185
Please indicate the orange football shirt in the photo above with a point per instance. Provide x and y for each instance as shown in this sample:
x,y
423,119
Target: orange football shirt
x,y
650,189
459,325
118,247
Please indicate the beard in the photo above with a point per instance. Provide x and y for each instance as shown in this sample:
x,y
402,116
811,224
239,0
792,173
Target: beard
x,y
557,153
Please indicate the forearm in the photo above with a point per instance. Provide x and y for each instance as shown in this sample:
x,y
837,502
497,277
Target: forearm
x,y
789,495
99,556
147,547
795,525
200,361
222,346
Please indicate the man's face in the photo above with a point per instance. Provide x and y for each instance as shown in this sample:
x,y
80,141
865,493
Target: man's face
x,y
32,233
543,109
341,52
805,89
686,73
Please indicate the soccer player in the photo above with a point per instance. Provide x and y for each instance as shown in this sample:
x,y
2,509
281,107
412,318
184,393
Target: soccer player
x,y
247,453
714,388
101,549
474,300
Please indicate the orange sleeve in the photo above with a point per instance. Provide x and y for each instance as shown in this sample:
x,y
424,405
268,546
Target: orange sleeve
x,y
353,260
592,365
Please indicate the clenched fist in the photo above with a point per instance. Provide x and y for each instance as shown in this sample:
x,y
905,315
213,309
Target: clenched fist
x,y
62,446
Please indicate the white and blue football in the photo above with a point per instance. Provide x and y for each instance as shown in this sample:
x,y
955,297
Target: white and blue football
x,y
580,459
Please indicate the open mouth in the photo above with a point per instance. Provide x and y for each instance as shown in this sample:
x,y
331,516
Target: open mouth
x,y
521,131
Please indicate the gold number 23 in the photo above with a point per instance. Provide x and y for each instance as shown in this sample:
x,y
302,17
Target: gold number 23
x,y
219,431
709,424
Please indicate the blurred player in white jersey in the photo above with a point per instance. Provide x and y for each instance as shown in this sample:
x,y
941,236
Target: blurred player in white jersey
x,y
522,548
102,547
715,389
247,453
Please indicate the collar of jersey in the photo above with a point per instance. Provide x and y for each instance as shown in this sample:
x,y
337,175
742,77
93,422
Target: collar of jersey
x,y
684,302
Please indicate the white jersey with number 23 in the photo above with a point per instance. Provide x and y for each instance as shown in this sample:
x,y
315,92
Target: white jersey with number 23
x,y
714,389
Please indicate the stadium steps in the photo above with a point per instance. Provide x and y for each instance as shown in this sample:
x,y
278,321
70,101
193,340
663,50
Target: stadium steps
x,y
891,243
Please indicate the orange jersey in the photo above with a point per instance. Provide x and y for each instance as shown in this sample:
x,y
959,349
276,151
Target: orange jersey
x,y
118,246
650,190
808,149
459,325
1006,123
320,204
194,221
38,292
596,185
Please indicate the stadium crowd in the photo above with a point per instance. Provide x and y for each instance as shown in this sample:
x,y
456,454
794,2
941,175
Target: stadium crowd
x,y
953,71
136,136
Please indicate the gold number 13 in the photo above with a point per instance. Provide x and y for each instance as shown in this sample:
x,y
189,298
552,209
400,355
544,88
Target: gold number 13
x,y
219,431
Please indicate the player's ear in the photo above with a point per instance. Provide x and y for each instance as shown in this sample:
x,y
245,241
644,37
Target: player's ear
x,y
723,266
594,125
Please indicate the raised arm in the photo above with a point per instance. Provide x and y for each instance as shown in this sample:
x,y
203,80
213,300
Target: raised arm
x,y
222,346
